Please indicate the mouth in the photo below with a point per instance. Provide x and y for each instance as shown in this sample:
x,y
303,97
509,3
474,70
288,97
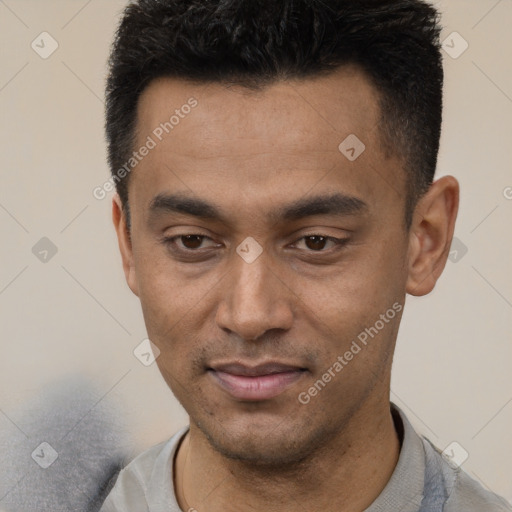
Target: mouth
x,y
255,383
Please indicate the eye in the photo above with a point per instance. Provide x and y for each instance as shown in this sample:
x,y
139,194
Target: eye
x,y
317,243
186,243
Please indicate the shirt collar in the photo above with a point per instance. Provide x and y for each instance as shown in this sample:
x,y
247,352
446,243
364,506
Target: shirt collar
x,y
403,492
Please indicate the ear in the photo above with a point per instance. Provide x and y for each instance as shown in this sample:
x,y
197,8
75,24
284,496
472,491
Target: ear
x,y
431,235
125,243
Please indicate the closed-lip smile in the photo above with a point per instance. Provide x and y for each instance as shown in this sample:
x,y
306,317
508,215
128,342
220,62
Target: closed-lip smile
x,y
255,382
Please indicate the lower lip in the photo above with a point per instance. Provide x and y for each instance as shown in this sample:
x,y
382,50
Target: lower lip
x,y
262,387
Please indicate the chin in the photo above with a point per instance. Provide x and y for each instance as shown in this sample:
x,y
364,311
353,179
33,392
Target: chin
x,y
283,444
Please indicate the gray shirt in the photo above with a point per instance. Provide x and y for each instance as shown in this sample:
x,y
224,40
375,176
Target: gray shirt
x,y
423,481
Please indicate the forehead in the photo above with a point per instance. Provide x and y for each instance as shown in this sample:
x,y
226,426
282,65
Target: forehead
x,y
282,139
294,111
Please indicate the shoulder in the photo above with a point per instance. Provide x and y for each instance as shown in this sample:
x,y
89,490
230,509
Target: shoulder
x,y
134,485
462,491
468,495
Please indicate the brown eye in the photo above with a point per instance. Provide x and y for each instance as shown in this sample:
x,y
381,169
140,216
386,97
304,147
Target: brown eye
x,y
320,243
189,244
191,241
315,243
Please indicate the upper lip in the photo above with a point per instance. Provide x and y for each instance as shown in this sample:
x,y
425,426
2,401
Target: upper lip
x,y
255,370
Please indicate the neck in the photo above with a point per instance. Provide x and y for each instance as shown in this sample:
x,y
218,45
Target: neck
x,y
346,475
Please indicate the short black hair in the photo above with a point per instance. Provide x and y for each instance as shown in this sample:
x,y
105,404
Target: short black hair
x,y
257,43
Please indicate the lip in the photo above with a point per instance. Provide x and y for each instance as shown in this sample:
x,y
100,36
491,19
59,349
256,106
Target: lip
x,y
254,383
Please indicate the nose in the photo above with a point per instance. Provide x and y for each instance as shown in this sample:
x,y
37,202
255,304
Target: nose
x,y
255,300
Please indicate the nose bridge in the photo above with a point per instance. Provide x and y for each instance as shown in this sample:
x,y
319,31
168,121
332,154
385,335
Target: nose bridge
x,y
252,281
255,300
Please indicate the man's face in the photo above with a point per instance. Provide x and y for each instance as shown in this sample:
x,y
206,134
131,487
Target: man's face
x,y
327,270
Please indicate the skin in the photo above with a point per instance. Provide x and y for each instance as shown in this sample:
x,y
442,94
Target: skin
x,y
301,302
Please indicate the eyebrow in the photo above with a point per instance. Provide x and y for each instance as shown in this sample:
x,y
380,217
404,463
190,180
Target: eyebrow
x,y
333,204
178,203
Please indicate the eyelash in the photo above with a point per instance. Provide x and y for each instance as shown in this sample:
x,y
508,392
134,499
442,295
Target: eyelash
x,y
170,241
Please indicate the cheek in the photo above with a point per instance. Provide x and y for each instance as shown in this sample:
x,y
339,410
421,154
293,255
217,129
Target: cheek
x,y
348,305
367,283
376,277
357,339
164,289
175,306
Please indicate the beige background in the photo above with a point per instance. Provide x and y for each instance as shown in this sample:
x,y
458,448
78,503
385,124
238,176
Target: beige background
x,y
75,316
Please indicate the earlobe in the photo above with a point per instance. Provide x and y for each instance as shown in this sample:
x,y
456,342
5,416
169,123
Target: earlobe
x,y
431,235
125,243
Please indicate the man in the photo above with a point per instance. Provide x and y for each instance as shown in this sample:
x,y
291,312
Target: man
x,y
274,165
